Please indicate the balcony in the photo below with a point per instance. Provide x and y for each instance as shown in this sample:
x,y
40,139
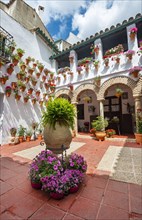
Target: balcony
x,y
6,41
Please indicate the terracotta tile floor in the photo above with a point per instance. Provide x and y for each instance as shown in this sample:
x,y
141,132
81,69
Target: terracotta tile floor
x,y
99,197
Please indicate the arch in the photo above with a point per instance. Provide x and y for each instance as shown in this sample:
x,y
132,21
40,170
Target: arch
x,y
83,87
62,92
133,85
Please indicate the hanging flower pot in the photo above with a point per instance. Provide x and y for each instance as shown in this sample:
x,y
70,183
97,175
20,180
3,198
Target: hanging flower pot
x,y
8,91
31,70
34,82
20,52
118,92
13,85
26,99
27,79
22,88
10,69
43,78
51,75
135,71
106,62
38,75
129,54
30,91
40,67
41,102
17,97
33,101
4,78
46,85
1,63
15,60
70,85
28,60
133,32
46,71
38,93
34,65
22,66
86,68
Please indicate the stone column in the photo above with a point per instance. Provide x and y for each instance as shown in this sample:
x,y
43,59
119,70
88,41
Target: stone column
x,y
101,108
75,120
138,106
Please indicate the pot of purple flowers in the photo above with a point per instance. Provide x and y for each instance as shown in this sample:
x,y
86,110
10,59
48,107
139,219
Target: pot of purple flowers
x,y
135,71
129,54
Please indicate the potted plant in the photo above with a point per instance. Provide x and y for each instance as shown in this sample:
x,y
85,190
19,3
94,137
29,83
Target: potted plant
x,y
70,85
12,46
97,80
57,119
135,71
129,54
133,32
10,68
38,75
96,64
30,70
71,58
110,132
40,132
20,52
113,51
138,134
118,92
8,90
20,75
106,61
26,98
13,131
28,60
21,132
34,81
22,66
17,96
94,49
13,85
4,78
100,124
28,135
15,59
21,85
40,67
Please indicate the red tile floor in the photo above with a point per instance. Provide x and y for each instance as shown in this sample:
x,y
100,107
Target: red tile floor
x,y
99,198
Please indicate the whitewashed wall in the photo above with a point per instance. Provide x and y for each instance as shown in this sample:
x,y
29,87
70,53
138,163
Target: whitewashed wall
x,y
17,112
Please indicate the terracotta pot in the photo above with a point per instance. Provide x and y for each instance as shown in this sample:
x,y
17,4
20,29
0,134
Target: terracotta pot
x,y
132,36
130,56
39,137
3,80
100,135
23,67
117,60
21,139
71,59
27,61
8,94
22,88
106,64
26,99
138,138
30,71
33,101
74,189
34,83
57,196
28,138
19,76
55,138
17,97
20,54
34,65
14,85
15,62
30,91
38,75
38,93
41,69
27,79
135,73
10,70
118,94
97,51
36,185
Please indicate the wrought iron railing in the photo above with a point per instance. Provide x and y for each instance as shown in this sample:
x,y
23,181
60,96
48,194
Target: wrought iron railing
x,y
6,41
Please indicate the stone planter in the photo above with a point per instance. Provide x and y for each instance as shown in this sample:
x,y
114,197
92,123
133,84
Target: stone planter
x,y
55,138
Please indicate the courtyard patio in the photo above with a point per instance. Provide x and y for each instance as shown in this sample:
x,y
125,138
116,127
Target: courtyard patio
x,y
112,188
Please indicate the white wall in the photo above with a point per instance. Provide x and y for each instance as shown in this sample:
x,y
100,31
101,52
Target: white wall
x,y
17,112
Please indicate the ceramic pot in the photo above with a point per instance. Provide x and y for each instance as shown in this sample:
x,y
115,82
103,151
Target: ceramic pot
x,y
57,196
138,138
36,185
74,189
100,135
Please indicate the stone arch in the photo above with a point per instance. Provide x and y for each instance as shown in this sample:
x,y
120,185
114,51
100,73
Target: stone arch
x,y
63,91
117,80
83,87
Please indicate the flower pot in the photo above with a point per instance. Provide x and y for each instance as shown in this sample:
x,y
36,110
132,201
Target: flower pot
x,y
118,94
30,91
26,99
30,71
23,67
117,60
21,139
100,135
132,36
28,138
39,137
20,54
8,94
22,88
3,80
41,103
15,62
38,93
34,65
56,196
71,59
135,73
27,79
36,185
17,97
74,189
34,83
33,101
19,76
106,64
130,56
10,70
97,51
27,61
41,69
138,138
14,85
38,75
55,138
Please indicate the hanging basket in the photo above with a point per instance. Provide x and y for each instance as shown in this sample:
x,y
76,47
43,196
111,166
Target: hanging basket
x,y
132,36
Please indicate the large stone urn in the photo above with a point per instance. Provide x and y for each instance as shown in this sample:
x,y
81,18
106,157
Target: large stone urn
x,y
56,138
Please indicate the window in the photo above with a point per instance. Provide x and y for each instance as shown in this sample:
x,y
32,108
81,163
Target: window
x,y
5,42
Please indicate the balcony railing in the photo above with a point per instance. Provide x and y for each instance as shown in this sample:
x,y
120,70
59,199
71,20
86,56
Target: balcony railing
x,y
6,41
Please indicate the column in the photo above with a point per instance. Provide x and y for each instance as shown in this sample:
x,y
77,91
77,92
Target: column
x,y
101,108
75,131
138,106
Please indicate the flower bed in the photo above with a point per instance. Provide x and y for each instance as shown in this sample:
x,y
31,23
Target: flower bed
x,y
55,176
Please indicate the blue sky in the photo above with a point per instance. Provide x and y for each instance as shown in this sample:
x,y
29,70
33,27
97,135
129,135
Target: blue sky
x,y
83,17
